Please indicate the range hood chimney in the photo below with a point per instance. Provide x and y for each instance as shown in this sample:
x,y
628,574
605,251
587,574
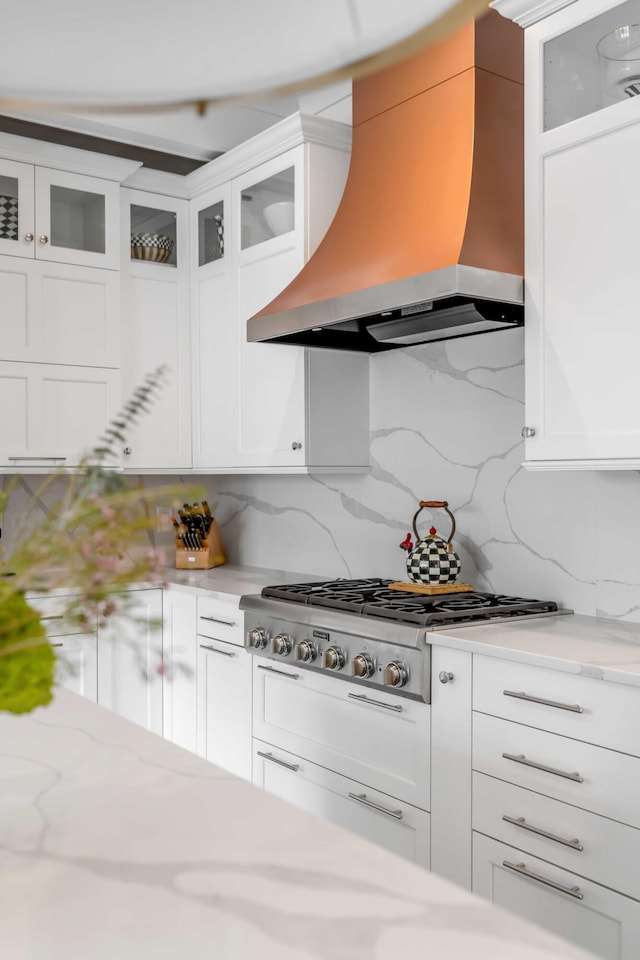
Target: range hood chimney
x,y
427,243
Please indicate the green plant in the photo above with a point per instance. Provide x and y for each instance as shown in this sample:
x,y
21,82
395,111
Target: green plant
x,y
95,540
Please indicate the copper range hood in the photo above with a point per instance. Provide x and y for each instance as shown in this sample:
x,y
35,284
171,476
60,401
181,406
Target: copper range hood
x,y
427,243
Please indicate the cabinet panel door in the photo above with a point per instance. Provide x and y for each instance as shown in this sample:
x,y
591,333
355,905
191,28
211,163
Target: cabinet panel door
x,y
272,376
52,415
313,716
156,329
216,364
55,313
80,315
604,922
607,714
17,209
75,405
602,781
603,850
224,706
129,655
156,336
77,666
179,659
77,219
396,826
582,325
17,333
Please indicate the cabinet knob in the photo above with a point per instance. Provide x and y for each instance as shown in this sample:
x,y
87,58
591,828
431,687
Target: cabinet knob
x,y
128,451
296,446
528,432
445,677
43,238
28,237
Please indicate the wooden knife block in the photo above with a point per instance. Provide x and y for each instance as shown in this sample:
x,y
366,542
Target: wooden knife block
x,y
211,555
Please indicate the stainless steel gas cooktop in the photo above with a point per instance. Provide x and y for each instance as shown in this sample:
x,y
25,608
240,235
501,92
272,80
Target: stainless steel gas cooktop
x,y
373,598
363,632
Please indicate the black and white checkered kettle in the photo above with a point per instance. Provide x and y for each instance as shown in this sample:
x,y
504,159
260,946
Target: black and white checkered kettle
x,y
433,559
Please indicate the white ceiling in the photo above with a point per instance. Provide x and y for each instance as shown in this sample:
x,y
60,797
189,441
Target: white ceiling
x,y
185,133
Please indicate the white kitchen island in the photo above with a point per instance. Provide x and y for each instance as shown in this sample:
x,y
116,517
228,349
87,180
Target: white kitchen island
x,y
117,844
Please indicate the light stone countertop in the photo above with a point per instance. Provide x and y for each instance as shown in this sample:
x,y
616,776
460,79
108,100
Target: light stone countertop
x,y
116,844
594,647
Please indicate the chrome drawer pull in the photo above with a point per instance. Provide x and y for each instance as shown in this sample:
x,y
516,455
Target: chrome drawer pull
x,y
36,458
56,644
521,695
227,623
54,616
376,703
223,653
362,798
292,676
520,758
521,822
269,756
522,870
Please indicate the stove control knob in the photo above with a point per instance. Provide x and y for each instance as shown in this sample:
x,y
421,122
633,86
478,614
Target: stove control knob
x,y
362,666
333,658
281,644
258,638
305,651
395,674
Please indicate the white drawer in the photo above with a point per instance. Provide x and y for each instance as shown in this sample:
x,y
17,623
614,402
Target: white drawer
x,y
591,710
589,915
51,612
392,824
374,737
609,784
602,850
220,620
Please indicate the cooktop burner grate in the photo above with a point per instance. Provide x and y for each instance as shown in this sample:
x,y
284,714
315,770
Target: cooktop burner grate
x,y
372,598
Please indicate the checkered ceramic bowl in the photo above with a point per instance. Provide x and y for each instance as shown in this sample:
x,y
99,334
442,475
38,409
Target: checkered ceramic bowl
x,y
151,246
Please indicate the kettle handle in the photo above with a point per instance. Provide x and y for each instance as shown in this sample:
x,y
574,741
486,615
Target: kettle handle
x,y
444,504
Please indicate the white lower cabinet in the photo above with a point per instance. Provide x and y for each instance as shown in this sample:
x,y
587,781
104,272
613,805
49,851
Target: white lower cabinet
x,y
224,705
373,737
129,658
556,829
76,653
77,665
180,663
590,915
396,826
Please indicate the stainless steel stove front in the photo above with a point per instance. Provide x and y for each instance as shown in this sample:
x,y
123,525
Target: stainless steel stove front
x,y
393,657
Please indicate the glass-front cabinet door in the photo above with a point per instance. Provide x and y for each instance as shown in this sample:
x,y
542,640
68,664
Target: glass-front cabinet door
x,y
153,235
593,64
17,224
77,219
267,208
211,233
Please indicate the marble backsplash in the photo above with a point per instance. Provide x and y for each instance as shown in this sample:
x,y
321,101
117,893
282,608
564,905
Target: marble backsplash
x,y
445,425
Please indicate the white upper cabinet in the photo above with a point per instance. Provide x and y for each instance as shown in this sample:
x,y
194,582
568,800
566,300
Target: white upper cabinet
x,y
52,415
156,325
582,336
59,313
267,407
58,216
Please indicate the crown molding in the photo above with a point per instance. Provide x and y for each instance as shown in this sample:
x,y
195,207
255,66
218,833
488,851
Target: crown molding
x,y
288,133
157,181
70,159
526,12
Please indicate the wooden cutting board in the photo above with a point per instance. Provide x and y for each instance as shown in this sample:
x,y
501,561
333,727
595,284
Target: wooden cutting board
x,y
431,588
